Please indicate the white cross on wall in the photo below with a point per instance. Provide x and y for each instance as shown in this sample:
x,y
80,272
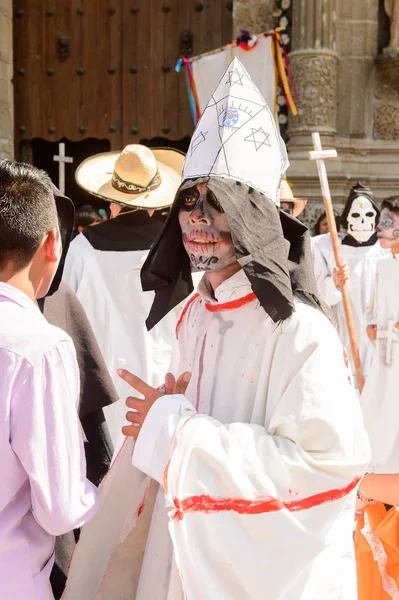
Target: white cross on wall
x,y
390,335
62,159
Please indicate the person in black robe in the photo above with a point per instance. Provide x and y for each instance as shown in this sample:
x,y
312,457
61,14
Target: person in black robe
x,y
62,308
104,261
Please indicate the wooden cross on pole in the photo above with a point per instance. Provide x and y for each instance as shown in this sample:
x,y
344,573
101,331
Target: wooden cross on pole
x,y
319,155
62,159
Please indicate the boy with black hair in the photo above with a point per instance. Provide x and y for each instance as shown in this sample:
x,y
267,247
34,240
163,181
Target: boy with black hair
x,y
86,216
44,489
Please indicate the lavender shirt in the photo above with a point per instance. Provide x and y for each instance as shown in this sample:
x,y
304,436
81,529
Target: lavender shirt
x,y
43,487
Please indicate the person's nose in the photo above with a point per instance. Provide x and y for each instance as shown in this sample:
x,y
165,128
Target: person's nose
x,y
198,215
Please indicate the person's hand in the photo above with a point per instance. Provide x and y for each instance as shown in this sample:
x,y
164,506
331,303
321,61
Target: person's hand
x,y
340,275
141,406
372,332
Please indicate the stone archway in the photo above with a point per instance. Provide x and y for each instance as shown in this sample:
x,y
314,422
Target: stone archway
x,y
6,89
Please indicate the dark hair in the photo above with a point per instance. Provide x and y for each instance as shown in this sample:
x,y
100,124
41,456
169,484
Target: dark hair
x,y
391,203
319,220
27,211
86,215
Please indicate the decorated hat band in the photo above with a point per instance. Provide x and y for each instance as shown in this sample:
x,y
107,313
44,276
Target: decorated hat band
x,y
128,187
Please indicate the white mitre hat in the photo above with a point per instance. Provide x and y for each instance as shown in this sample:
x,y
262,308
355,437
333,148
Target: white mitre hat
x,y
237,137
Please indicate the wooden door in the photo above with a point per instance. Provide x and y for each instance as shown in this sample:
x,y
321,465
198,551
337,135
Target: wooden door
x,y
105,69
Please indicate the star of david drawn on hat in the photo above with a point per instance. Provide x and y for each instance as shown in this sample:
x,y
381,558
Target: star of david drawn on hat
x,y
237,136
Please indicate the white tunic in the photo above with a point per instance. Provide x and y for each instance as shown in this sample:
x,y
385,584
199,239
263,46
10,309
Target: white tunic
x,y
380,394
261,493
108,285
362,263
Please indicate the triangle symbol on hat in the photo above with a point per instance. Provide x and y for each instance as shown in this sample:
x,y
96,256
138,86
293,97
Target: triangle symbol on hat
x,y
237,137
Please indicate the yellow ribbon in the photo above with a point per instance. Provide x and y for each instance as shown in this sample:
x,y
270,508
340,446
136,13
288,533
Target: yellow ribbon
x,y
283,75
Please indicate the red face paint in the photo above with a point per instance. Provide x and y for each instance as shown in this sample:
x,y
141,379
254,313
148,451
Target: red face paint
x,y
205,230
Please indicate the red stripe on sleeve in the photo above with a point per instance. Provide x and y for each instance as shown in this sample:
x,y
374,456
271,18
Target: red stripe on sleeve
x,y
207,504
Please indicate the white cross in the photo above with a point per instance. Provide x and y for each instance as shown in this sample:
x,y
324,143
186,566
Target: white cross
x,y
390,335
320,155
62,159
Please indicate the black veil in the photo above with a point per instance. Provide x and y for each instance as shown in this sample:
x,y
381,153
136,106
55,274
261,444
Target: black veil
x,y
273,248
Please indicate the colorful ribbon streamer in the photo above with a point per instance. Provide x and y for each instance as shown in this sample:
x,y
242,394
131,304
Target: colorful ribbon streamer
x,y
288,67
193,89
282,74
282,67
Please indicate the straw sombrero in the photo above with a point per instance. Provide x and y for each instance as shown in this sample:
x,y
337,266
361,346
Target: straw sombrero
x,y
137,176
286,195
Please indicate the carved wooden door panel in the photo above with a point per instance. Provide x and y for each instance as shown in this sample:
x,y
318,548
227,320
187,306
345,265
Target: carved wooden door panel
x,y
105,68
68,70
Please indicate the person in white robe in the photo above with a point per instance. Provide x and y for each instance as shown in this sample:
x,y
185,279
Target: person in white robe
x,y
104,262
360,252
379,399
242,482
44,491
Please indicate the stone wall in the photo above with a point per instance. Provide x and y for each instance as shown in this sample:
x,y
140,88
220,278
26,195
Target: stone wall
x,y
6,88
349,92
253,15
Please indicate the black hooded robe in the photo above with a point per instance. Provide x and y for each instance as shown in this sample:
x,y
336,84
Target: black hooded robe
x,y
62,309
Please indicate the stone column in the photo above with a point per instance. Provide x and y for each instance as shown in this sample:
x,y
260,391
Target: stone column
x,y
357,47
314,63
6,88
253,15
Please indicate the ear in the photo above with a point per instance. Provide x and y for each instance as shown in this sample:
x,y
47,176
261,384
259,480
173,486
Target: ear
x,y
52,245
115,209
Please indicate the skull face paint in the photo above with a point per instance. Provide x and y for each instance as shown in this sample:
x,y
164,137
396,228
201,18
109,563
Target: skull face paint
x,y
205,230
388,229
361,219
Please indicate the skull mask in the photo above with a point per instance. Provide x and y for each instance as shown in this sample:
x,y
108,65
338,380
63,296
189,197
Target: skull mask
x,y
361,219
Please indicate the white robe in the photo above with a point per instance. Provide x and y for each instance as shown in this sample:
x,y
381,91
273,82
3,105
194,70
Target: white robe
x,y
261,493
108,285
362,262
380,397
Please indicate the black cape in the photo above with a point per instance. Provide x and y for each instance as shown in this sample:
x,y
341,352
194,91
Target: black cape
x,y
272,247
130,230
62,308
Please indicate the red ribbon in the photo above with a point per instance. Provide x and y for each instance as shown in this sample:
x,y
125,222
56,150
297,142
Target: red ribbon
x,y
288,68
192,88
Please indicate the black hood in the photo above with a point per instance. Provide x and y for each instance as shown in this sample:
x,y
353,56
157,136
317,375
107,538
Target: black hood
x,y
273,248
66,219
358,190
128,231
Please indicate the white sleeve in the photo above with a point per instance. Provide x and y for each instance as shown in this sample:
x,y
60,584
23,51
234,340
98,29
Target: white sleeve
x,y
371,308
73,269
270,499
315,434
47,440
154,444
324,278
